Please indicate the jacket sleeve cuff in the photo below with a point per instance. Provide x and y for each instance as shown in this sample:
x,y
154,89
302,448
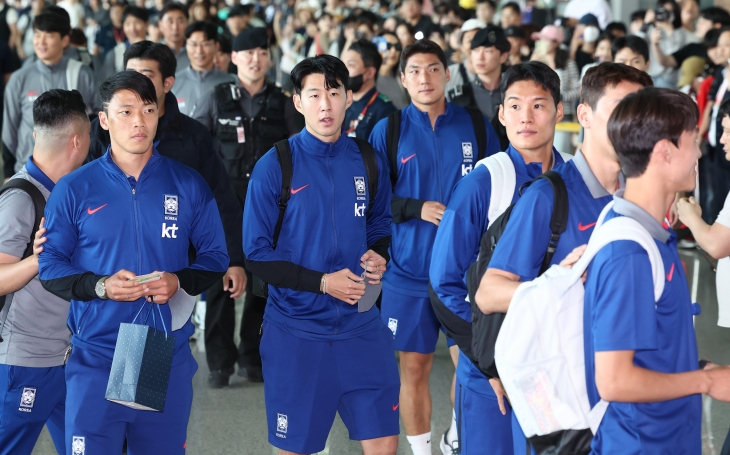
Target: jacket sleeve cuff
x,y
381,246
194,281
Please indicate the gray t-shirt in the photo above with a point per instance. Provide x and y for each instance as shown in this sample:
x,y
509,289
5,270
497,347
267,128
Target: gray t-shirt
x,y
34,327
190,85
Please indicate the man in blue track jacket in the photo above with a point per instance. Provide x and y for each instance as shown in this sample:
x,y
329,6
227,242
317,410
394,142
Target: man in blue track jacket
x,y
531,94
320,355
131,212
437,147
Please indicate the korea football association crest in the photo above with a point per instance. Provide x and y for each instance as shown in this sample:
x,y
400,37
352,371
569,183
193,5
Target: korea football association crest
x,y
78,445
360,188
27,399
282,423
393,325
171,207
467,151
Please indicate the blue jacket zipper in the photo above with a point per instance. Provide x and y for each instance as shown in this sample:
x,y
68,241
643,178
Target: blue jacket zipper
x,y
334,228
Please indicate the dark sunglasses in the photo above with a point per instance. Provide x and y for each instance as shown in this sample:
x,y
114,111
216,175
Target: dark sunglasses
x,y
397,46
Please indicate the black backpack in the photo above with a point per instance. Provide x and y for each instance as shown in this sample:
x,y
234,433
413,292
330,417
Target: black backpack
x,y
476,340
39,205
283,152
392,137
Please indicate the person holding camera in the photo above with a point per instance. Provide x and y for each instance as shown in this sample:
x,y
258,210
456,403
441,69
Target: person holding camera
x,y
663,28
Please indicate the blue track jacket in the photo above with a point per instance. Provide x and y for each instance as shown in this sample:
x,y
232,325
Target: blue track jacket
x,y
99,222
325,230
430,163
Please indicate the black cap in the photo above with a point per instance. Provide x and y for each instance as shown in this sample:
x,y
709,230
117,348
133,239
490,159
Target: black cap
x,y
515,31
589,19
251,38
491,35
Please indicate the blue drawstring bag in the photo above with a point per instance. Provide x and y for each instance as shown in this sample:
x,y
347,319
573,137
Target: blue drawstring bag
x,y
140,370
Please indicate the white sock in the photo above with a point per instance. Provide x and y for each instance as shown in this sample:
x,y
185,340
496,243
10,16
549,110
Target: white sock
x,y
452,435
421,444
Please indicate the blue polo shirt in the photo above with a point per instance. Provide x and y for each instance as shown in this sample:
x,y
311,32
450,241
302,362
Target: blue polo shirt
x,y
621,315
457,244
525,240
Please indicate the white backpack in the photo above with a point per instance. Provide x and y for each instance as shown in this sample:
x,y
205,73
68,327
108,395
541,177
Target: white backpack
x,y
502,170
539,350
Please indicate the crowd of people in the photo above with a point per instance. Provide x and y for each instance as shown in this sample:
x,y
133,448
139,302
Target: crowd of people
x,y
366,175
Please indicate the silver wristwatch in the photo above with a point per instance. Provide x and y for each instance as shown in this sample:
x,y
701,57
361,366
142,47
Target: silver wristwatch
x,y
100,288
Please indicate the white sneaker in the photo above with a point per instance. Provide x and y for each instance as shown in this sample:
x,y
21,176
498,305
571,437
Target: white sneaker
x,y
449,448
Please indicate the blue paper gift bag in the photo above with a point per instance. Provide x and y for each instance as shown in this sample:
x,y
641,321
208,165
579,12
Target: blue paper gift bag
x,y
141,366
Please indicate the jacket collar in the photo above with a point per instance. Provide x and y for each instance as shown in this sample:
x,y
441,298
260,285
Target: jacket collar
x,y
421,118
109,163
172,120
531,170
315,146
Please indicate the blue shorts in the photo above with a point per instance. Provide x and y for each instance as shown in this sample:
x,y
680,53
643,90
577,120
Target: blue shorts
x,y
308,382
31,398
483,430
413,322
95,425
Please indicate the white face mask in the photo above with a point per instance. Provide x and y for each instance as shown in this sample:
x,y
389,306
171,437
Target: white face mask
x,y
590,34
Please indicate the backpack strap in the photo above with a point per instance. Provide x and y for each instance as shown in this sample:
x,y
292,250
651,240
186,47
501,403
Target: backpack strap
x,y
480,129
73,68
504,180
559,218
371,169
287,171
392,136
39,204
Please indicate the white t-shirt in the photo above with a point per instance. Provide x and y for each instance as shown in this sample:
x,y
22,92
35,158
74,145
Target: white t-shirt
x,y
723,273
599,8
75,12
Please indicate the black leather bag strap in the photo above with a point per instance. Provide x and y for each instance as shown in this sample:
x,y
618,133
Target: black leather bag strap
x,y
371,169
287,171
392,136
480,130
559,218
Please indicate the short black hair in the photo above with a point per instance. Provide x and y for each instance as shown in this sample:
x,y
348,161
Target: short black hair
x,y
609,75
334,70
56,108
724,110
424,46
514,6
78,38
615,27
534,71
51,20
224,44
638,15
717,15
488,2
712,37
636,43
369,54
127,80
173,6
161,53
646,117
137,12
208,28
